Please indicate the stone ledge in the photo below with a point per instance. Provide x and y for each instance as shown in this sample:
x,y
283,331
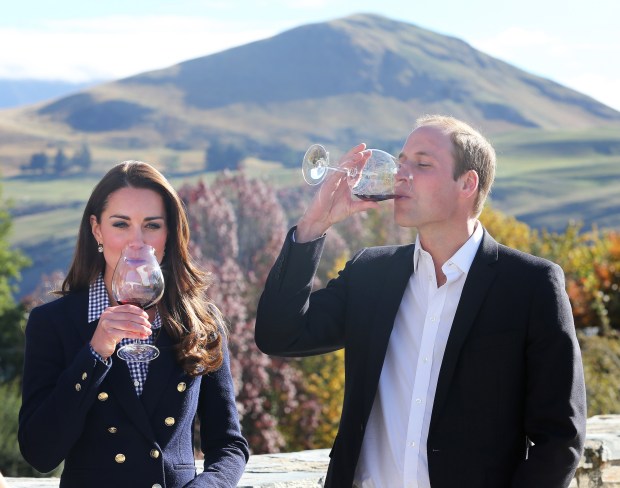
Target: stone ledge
x,y
304,469
599,466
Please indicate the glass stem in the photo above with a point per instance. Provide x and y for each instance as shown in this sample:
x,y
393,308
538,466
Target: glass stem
x,y
351,172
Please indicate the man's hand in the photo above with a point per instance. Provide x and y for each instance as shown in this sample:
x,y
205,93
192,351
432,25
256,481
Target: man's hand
x,y
334,201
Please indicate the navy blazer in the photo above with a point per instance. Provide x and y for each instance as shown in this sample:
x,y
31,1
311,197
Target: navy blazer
x,y
79,410
509,408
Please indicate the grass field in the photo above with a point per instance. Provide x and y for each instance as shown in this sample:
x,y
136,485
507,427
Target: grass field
x,y
537,186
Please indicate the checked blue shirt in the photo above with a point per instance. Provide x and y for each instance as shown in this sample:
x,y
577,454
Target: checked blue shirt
x,y
98,301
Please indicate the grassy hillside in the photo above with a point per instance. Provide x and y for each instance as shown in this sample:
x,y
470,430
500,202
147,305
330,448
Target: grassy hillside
x,y
540,188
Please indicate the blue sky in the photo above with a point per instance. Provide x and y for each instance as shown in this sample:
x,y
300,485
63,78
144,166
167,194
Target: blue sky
x,y
573,42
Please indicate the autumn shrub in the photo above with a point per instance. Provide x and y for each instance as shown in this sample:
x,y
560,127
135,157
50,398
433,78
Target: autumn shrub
x,y
601,363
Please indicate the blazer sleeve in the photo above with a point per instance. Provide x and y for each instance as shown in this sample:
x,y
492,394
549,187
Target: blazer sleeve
x,y
292,321
555,401
225,450
60,383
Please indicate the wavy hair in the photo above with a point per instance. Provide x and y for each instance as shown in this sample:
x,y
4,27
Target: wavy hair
x,y
189,317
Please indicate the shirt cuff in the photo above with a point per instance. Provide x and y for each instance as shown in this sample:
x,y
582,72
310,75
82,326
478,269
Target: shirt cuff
x,y
293,239
99,356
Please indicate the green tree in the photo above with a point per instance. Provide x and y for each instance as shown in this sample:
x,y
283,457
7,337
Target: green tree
x,y
220,156
12,321
82,159
11,260
61,162
39,162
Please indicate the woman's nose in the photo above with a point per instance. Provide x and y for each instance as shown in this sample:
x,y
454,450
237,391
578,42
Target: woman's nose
x,y
137,240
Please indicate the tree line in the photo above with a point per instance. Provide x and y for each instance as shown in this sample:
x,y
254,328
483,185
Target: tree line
x,y
60,163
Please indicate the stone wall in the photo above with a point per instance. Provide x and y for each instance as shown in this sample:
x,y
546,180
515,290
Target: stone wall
x,y
599,466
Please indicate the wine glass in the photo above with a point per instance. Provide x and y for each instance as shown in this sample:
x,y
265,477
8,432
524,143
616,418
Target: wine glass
x,y
375,181
138,281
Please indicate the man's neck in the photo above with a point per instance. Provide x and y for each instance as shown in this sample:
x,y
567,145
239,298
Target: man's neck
x,y
442,245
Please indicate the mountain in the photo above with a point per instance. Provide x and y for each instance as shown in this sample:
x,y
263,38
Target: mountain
x,y
18,92
359,78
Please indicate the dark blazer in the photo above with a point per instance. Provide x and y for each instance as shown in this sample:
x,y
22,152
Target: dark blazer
x,y
88,414
511,382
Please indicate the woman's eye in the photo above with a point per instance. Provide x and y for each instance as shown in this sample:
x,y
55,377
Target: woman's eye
x,y
153,226
119,224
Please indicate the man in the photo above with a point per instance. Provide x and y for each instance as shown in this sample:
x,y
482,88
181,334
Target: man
x,y
462,368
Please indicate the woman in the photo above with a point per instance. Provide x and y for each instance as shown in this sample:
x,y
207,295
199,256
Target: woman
x,y
130,424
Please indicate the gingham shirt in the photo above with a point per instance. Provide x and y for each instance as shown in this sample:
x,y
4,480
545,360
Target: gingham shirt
x,y
98,301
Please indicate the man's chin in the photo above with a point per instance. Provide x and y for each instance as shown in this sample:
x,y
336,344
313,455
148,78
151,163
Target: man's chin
x,y
402,220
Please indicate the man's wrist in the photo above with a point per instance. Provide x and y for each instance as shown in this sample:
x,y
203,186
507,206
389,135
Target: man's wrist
x,y
305,232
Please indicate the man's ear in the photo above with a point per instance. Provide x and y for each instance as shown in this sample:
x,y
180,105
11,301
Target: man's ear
x,y
469,183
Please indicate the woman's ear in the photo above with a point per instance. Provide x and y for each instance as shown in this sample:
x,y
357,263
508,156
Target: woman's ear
x,y
96,229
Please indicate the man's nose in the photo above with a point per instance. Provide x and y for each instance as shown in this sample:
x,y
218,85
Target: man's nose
x,y
404,174
403,178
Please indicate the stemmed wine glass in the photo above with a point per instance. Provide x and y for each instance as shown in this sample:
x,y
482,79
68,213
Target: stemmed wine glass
x,y
138,281
374,182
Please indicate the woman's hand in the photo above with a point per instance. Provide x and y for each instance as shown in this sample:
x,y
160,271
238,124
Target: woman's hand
x,y
117,323
334,201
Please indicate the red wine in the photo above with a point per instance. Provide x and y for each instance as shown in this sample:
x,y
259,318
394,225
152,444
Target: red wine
x,y
136,303
375,198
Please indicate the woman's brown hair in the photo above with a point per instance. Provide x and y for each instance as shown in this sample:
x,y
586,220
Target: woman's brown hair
x,y
193,322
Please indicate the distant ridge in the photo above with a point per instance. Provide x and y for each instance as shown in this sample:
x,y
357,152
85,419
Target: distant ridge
x,y
16,92
362,77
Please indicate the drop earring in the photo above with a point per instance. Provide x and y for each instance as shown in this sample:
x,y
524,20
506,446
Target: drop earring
x,y
100,247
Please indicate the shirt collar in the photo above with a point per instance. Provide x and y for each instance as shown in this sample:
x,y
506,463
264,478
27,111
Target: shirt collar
x,y
98,299
463,258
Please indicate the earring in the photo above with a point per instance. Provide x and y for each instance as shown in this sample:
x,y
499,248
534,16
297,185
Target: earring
x,y
100,247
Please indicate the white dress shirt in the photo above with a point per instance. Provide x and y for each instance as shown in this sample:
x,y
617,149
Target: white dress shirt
x,y
393,453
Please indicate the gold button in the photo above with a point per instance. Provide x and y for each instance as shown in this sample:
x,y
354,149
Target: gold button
x,y
78,387
154,453
103,396
169,421
112,430
156,485
84,376
181,387
119,458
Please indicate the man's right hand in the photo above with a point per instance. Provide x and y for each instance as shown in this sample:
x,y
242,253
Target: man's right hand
x,y
334,201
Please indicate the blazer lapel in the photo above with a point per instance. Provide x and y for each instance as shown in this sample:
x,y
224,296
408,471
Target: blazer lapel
x,y
124,391
79,314
160,371
479,279
387,305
